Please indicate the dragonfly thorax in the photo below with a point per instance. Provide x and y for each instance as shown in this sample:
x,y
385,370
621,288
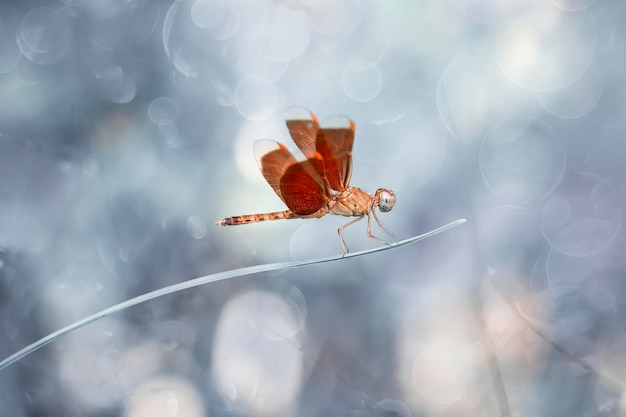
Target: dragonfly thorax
x,y
350,202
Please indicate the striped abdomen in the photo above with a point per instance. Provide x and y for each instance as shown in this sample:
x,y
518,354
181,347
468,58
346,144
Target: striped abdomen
x,y
254,218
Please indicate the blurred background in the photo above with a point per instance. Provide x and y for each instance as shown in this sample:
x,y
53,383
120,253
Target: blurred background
x,y
126,131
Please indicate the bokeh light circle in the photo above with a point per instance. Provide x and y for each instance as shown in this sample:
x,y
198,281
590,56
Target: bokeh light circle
x,y
253,355
115,85
196,227
288,35
207,13
522,160
445,383
361,80
256,98
253,60
169,131
586,220
187,40
119,26
473,96
573,5
45,36
163,109
548,51
577,99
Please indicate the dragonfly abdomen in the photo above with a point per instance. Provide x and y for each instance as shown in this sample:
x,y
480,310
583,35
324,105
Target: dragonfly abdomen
x,y
255,218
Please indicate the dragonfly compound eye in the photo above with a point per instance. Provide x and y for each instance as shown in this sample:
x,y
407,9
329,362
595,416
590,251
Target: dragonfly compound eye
x,y
386,200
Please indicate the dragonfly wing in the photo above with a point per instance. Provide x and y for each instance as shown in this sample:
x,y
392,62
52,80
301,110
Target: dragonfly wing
x,y
302,192
303,127
298,184
334,144
273,159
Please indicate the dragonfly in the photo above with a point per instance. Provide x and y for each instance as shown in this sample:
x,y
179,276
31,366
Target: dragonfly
x,y
318,184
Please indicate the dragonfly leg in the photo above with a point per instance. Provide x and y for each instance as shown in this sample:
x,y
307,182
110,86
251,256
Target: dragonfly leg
x,y
369,229
343,242
383,227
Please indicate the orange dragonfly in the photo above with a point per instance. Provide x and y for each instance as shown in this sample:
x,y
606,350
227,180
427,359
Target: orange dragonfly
x,y
317,185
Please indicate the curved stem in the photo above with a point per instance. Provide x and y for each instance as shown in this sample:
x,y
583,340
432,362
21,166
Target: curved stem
x,y
206,280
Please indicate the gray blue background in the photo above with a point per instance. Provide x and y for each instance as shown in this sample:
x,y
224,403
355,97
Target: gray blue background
x,y
126,131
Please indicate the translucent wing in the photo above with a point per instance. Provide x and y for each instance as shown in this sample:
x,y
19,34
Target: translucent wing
x,y
298,184
334,144
303,193
273,159
303,127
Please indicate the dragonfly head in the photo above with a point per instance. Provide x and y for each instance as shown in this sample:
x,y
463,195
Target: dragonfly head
x,y
385,199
